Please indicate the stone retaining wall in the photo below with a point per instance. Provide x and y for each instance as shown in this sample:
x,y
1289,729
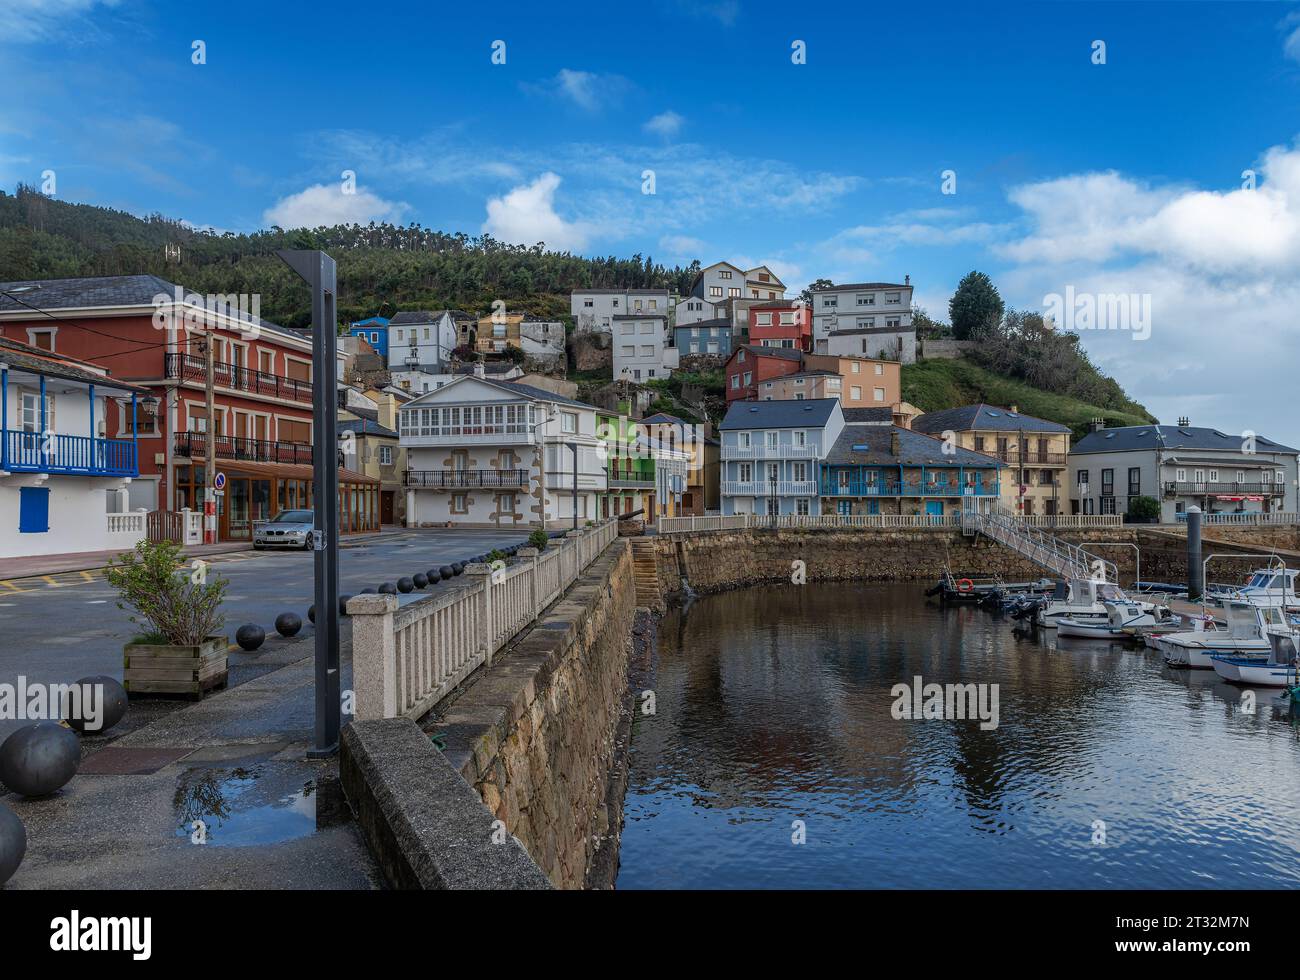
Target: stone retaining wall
x,y
537,733
719,560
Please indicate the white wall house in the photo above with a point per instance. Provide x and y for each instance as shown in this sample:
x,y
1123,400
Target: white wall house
x,y
594,309
772,452
694,309
63,481
865,319
421,340
543,341
642,348
722,281
486,453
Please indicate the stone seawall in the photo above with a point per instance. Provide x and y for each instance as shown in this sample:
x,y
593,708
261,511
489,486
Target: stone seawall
x,y
1164,552
719,560
538,734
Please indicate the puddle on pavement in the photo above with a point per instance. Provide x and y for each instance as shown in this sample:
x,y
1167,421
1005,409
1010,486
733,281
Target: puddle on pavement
x,y
247,807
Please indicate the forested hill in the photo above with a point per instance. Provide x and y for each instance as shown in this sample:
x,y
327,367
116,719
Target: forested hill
x,y
404,267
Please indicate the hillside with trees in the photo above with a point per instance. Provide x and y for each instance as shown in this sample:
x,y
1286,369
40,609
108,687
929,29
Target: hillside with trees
x,y
384,268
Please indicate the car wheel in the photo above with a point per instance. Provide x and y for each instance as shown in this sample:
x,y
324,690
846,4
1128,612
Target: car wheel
x,y
257,547
307,543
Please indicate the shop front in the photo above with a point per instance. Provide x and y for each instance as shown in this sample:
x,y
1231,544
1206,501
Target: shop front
x,y
256,492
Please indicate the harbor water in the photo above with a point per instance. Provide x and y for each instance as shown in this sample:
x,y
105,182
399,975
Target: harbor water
x,y
775,756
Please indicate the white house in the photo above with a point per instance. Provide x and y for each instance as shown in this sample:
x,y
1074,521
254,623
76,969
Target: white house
x,y
419,340
641,347
488,453
63,478
865,319
543,341
722,281
594,309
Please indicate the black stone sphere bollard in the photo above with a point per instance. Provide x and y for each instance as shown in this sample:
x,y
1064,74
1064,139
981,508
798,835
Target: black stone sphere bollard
x,y
370,590
445,572
405,585
343,603
457,567
250,636
39,758
420,579
112,702
311,613
388,588
13,843
288,624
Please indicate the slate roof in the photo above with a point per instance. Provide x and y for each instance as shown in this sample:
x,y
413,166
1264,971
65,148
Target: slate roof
x,y
862,285
861,445
981,416
416,316
810,413
721,321
818,373
25,357
99,291
662,418
785,353
365,427
868,415
1135,438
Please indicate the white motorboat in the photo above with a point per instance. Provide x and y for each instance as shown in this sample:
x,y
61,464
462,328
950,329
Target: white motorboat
x,y
1083,601
1269,587
1279,669
1121,618
1245,637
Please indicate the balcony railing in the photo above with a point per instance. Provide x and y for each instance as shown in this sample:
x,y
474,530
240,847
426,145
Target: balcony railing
x,y
191,367
834,488
769,452
1031,457
449,435
195,444
34,452
465,479
631,480
763,488
1271,489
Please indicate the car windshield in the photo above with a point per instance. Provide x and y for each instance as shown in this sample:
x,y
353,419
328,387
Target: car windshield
x,y
293,517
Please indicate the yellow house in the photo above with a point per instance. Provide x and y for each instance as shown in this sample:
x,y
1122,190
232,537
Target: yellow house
x,y
497,332
1034,448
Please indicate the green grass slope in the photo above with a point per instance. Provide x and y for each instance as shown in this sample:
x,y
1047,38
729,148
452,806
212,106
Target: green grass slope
x,y
937,384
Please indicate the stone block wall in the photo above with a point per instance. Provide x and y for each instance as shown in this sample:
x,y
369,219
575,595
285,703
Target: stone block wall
x,y
715,561
537,733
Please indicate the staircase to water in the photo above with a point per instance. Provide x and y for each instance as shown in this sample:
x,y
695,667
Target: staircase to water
x,y
645,573
1059,557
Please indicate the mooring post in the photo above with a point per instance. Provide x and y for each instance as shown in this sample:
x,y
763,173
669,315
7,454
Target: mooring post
x,y
1195,570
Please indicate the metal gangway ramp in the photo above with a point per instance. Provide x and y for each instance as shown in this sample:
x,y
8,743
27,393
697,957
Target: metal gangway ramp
x,y
1065,560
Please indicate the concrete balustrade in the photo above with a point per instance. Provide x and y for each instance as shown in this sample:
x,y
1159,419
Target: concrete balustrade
x,y
409,652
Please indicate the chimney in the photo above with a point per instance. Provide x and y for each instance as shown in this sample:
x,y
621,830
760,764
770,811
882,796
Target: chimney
x,y
478,369
907,280
1183,421
1097,425
893,443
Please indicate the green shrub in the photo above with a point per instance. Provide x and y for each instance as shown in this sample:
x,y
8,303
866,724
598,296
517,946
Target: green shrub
x,y
538,539
1143,508
169,604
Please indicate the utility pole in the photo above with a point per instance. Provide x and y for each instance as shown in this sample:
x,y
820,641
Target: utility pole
x,y
210,493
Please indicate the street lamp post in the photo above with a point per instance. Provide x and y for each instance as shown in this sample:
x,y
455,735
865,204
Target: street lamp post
x,y
775,506
318,270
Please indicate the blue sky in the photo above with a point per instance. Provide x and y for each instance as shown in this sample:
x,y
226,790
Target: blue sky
x,y
1122,177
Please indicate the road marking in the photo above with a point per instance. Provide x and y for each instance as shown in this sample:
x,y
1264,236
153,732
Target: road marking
x,y
87,576
96,602
49,580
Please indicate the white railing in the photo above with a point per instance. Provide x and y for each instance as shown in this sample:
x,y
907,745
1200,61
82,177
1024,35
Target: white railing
x,y
1278,517
407,656
763,488
1072,520
769,452
132,523
739,522
1057,556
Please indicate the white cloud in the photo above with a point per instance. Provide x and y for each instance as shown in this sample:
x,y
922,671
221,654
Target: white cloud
x,y
666,124
526,215
1221,267
587,90
1291,46
683,247
326,204
36,20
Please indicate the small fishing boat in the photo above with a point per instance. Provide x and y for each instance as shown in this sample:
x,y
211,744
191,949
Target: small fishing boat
x,y
1278,670
1120,618
1269,587
1245,637
1082,600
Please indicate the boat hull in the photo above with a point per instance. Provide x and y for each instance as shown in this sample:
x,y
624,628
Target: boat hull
x,y
1198,653
1238,670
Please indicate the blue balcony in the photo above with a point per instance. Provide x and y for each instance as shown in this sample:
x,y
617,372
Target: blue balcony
x,y
832,486
32,452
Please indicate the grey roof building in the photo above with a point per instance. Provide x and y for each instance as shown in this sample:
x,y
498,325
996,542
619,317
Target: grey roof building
x,y
991,418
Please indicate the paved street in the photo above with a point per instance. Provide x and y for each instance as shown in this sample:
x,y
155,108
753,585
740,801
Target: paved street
x,y
59,633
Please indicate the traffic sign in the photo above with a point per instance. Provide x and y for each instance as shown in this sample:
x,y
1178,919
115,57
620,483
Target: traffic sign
x,y
219,481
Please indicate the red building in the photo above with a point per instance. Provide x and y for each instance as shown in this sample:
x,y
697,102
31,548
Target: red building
x,y
148,331
749,365
781,323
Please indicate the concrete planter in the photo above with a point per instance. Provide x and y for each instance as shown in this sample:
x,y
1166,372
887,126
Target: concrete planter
x,y
166,670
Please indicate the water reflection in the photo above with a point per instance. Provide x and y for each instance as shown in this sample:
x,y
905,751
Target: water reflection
x,y
773,706
234,808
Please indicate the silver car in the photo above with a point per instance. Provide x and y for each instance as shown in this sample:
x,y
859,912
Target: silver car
x,y
287,529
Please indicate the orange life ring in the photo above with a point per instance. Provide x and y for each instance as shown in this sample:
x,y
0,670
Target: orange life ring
x,y
965,585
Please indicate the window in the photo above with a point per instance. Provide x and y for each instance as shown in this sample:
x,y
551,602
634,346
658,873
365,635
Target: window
x,y
44,339
647,350
626,328
374,336
1107,483
801,439
735,381
628,350
787,319
855,393
879,394
856,368
1278,478
733,291
1180,475
1134,481
385,455
830,301
1108,505
801,506
647,327
1214,476
748,377
1241,476
587,301
763,319
866,322
866,299
30,411
459,504
772,439
568,422
892,321
799,472
892,297
979,444
399,335
1081,478
742,440
746,472
880,369
715,290
724,275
